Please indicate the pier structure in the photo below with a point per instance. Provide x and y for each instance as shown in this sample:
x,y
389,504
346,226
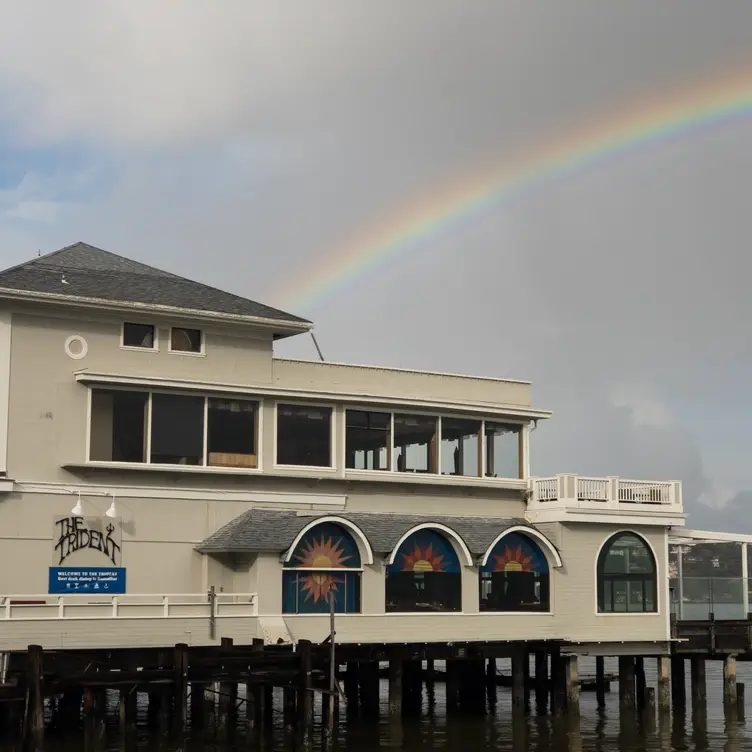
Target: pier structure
x,y
186,516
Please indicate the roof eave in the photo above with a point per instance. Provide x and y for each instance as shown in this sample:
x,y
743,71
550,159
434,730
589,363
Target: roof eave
x,y
281,327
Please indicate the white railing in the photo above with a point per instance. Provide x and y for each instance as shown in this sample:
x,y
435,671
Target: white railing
x,y
587,492
181,605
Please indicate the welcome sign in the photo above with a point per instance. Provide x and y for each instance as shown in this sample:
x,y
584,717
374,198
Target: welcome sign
x,y
87,556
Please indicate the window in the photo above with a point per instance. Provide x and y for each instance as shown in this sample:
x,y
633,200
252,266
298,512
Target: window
x,y
118,426
515,576
415,443
367,440
425,575
186,340
304,436
461,447
324,569
139,335
626,576
177,429
503,450
232,429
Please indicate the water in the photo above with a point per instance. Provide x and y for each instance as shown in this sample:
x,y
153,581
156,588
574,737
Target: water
x,y
595,730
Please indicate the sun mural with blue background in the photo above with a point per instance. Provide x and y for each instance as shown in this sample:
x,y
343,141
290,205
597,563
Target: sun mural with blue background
x,y
516,553
426,551
309,583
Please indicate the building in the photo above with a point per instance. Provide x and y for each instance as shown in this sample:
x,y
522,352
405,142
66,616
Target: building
x,y
166,479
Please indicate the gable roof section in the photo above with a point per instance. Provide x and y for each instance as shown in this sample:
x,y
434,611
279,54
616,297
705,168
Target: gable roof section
x,y
82,271
268,531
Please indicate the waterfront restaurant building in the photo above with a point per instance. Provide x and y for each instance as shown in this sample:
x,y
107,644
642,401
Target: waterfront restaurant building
x,y
165,478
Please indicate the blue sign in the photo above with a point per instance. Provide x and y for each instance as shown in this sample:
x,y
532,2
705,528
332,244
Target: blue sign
x,y
109,581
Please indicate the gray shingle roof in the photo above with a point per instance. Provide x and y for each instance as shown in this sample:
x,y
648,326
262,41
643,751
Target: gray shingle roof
x,y
265,530
91,272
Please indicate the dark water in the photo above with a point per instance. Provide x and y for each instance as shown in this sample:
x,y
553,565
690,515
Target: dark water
x,y
499,729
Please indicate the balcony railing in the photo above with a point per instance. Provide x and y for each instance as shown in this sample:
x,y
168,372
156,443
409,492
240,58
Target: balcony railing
x,y
704,598
184,605
587,493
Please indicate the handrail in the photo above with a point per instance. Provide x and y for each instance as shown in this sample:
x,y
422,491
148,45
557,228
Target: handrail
x,y
16,607
580,490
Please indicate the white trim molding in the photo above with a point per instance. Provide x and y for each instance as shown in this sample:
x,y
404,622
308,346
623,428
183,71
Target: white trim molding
x,y
366,552
548,548
452,535
5,354
518,412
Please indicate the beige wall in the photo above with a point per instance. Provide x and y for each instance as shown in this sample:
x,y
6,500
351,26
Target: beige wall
x,y
303,374
48,409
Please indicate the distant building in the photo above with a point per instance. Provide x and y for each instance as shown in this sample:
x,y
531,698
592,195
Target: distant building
x,y
153,450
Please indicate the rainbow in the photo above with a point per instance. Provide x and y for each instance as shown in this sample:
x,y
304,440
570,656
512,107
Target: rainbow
x,y
649,124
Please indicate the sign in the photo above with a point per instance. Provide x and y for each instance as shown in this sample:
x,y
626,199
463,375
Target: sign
x,y
87,580
91,541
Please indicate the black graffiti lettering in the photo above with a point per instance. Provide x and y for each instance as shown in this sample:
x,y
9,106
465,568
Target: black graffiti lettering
x,y
73,535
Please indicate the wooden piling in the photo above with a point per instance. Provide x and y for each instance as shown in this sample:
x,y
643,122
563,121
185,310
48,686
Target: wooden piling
x,y
741,710
663,669
519,677
180,679
678,684
228,694
35,689
254,696
128,707
395,682
640,683
572,679
698,684
198,706
559,682
289,707
452,684
491,687
305,692
351,687
600,681
730,694
541,681
626,682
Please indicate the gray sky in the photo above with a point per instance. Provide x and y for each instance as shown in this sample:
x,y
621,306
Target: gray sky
x,y
242,146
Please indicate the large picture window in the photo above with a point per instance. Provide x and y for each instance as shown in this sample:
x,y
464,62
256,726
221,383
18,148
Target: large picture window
x,y
304,436
168,429
367,440
324,569
515,576
425,575
626,576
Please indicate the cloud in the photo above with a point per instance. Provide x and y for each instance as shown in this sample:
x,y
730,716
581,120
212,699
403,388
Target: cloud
x,y
242,146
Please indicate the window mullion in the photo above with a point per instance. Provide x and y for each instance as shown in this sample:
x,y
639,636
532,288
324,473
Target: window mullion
x,y
148,428
206,432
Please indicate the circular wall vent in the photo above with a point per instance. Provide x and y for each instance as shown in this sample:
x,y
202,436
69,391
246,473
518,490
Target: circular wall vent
x,y
76,347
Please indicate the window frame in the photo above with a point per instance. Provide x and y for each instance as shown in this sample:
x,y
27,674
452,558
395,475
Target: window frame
x,y
626,578
201,352
355,572
392,472
332,468
204,466
137,348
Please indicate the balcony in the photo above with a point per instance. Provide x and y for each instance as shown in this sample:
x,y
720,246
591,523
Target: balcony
x,y
576,498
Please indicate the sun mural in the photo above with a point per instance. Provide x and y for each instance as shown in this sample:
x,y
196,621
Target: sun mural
x,y
516,553
322,553
423,559
425,551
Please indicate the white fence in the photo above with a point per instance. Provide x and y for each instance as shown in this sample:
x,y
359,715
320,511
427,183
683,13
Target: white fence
x,y
577,490
182,605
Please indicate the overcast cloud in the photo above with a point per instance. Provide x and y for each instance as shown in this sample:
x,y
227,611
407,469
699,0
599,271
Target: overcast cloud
x,y
239,146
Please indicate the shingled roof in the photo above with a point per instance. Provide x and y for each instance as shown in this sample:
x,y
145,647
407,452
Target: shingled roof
x,y
269,531
84,271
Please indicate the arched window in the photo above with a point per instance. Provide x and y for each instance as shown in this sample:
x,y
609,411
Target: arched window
x,y
515,576
626,576
324,565
425,575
